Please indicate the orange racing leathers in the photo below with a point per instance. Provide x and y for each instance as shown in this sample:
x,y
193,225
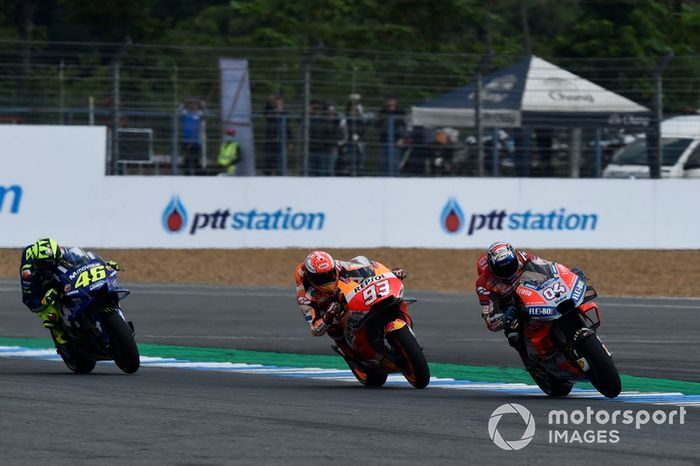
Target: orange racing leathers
x,y
313,303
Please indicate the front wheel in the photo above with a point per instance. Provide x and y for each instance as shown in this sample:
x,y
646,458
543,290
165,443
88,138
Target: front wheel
x,y
413,364
603,373
121,339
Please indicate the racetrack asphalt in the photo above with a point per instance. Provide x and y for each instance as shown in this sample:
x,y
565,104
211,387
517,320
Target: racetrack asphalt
x,y
170,416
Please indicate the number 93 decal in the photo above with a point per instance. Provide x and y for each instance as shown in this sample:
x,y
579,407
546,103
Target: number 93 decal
x,y
376,291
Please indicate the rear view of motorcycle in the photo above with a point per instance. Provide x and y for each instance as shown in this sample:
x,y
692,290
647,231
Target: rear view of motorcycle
x,y
89,303
559,323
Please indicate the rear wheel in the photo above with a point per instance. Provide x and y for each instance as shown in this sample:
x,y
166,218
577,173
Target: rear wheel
x,y
602,372
75,361
368,378
124,349
413,364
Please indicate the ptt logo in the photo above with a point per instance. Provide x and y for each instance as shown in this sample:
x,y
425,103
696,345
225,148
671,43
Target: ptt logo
x,y
175,219
10,196
453,221
174,216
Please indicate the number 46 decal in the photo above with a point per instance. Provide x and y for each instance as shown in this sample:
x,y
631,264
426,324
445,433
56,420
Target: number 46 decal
x,y
91,275
376,290
553,291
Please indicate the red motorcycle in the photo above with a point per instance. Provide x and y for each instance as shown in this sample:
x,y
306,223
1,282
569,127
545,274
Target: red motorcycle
x,y
376,325
559,323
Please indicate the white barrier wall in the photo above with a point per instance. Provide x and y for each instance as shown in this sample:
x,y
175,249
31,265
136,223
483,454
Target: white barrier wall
x,y
52,183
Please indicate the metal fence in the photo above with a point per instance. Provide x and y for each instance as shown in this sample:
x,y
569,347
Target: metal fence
x,y
315,112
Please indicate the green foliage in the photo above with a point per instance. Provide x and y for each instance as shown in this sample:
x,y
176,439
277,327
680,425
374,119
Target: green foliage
x,y
380,45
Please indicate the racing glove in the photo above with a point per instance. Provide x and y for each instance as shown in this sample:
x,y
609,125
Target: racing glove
x,y
400,273
510,317
49,298
494,322
332,314
114,265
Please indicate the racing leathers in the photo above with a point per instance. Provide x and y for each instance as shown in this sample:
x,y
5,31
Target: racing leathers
x,y
321,310
39,295
497,299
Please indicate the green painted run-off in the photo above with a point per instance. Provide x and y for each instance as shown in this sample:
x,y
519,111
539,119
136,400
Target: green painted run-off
x,y
454,371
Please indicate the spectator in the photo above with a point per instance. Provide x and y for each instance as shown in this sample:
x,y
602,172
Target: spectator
x,y
193,113
278,134
417,158
324,139
230,152
354,149
391,124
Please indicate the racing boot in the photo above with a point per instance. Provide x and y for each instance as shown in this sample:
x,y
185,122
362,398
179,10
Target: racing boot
x,y
49,319
339,345
516,341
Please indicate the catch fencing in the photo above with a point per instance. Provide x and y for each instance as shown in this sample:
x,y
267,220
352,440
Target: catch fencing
x,y
317,112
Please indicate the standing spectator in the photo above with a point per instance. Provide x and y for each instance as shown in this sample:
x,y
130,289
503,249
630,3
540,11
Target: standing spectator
x,y
230,152
317,139
278,134
356,127
391,123
193,113
336,136
324,138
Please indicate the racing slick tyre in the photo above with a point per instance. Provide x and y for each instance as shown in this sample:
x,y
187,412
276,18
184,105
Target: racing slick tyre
x,y
74,361
413,364
124,349
602,372
368,378
550,385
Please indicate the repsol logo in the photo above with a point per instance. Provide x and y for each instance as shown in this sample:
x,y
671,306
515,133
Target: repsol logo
x,y
10,199
176,219
453,220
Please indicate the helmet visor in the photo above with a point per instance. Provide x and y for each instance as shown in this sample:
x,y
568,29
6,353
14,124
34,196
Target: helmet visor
x,y
327,281
507,270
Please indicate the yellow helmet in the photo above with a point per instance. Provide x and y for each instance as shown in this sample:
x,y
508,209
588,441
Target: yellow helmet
x,y
46,250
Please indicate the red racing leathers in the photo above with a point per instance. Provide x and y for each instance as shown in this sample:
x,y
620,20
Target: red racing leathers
x,y
496,295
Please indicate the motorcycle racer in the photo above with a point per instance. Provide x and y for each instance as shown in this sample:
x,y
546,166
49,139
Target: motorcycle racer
x,y
39,260
499,270
318,296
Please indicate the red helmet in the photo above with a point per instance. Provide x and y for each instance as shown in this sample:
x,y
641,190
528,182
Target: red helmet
x,y
321,271
230,131
503,261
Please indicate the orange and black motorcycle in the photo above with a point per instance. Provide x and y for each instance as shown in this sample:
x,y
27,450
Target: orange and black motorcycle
x,y
376,325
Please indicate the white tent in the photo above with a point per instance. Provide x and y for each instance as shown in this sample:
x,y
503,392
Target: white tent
x,y
533,93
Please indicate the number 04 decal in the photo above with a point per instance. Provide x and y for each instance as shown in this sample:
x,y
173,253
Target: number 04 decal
x,y
552,291
376,290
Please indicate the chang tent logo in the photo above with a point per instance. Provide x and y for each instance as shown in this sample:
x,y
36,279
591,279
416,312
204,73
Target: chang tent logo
x,y
174,216
452,217
525,439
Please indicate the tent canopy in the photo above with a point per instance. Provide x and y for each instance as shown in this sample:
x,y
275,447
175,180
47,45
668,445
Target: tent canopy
x,y
533,93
